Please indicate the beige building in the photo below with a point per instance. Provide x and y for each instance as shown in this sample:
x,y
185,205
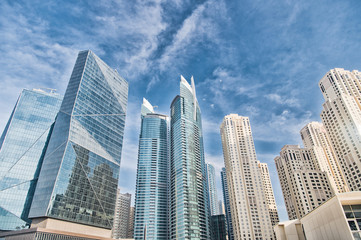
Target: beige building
x,y
338,218
314,137
341,116
48,228
250,216
268,190
289,230
131,223
122,216
303,184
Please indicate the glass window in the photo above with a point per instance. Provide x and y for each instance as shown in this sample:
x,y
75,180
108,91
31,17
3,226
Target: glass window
x,y
349,214
352,225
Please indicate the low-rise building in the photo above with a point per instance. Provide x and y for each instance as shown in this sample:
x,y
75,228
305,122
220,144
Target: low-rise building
x,y
337,218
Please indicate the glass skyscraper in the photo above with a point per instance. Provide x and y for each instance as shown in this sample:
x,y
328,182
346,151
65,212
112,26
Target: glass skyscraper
x,y
213,196
79,177
227,205
189,216
151,199
219,227
21,148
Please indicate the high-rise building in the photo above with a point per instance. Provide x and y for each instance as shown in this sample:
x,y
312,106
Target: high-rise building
x,y
221,210
219,229
189,217
151,195
314,137
268,190
121,216
303,184
78,181
213,196
227,204
21,149
250,215
341,117
131,223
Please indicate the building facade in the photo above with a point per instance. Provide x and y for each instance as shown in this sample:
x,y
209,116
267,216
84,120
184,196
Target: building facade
x,y
303,184
219,227
268,190
314,137
341,117
131,223
189,217
21,149
122,216
227,204
337,218
213,196
250,215
151,195
79,177
222,209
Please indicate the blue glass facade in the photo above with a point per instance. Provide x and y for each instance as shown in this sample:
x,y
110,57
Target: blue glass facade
x,y
227,205
79,177
213,196
21,149
189,209
151,199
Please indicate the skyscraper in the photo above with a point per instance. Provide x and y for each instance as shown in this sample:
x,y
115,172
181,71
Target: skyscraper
x,y
221,207
213,196
250,215
219,227
122,216
131,223
341,116
314,137
304,185
151,195
268,190
227,205
21,148
79,177
188,191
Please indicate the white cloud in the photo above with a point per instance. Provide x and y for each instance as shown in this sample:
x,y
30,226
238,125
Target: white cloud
x,y
30,58
138,26
284,127
210,126
292,102
198,27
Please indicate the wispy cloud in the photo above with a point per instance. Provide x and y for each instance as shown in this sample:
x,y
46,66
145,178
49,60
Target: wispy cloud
x,y
138,27
30,58
292,102
287,124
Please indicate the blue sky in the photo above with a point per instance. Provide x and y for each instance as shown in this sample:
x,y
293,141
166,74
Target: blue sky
x,y
261,59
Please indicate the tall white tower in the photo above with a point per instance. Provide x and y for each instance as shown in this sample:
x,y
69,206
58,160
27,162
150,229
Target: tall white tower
x,y
250,216
341,116
303,184
122,215
314,136
268,190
